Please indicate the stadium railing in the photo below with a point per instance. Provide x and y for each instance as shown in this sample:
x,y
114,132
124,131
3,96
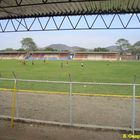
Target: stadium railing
x,y
76,96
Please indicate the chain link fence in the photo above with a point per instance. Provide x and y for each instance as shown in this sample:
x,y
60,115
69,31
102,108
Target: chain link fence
x,y
88,104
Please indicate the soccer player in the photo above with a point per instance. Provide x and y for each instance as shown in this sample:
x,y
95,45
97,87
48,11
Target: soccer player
x,y
82,64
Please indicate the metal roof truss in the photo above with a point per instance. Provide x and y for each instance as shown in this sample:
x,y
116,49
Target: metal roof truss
x,y
80,22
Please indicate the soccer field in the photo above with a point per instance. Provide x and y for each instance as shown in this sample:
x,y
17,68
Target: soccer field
x,y
92,71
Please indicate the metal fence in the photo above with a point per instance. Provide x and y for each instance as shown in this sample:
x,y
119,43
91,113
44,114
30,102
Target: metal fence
x,y
84,104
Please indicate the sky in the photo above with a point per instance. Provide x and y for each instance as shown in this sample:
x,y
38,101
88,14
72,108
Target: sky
x,y
87,38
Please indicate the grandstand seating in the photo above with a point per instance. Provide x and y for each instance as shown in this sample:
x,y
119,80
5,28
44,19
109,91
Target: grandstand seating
x,y
65,56
11,56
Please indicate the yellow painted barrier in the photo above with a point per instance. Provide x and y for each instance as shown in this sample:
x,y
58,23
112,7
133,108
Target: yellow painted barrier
x,y
13,105
65,93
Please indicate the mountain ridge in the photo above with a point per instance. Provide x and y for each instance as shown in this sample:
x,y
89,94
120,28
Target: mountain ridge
x,y
63,47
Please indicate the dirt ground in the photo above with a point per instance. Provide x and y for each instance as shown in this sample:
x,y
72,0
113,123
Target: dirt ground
x,y
43,132
108,111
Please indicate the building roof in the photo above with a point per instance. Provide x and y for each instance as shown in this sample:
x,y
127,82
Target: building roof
x,y
32,52
52,52
10,9
96,52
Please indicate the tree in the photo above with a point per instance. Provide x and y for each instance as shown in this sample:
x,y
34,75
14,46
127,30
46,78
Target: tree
x,y
101,50
20,49
49,49
82,50
9,49
28,44
122,45
137,44
134,49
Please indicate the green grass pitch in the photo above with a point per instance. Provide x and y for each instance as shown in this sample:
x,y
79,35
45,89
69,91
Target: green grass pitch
x,y
92,71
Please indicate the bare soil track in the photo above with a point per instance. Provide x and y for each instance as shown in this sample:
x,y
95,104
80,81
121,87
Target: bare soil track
x,y
43,132
107,111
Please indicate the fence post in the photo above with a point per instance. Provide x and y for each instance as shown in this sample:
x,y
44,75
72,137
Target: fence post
x,y
133,107
70,102
14,101
16,98
13,104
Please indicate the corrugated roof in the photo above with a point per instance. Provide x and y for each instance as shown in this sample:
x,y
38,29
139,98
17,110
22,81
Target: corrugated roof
x,y
37,8
52,52
97,53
